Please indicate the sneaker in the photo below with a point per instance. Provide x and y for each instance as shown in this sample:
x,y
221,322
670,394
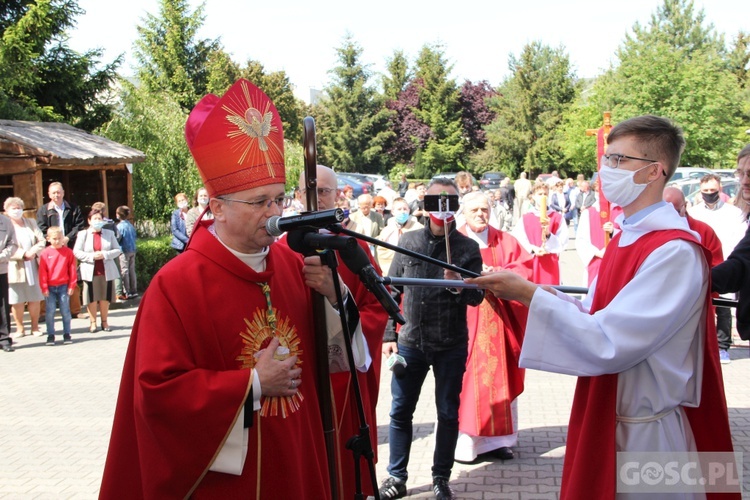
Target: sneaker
x,y
724,357
50,340
37,333
18,335
67,339
442,489
392,487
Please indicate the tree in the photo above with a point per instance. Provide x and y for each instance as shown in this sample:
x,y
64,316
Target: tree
x,y
530,106
398,76
42,78
440,110
475,113
678,68
354,122
169,56
154,122
410,134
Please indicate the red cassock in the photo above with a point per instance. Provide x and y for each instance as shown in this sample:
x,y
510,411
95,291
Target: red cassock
x,y
493,379
546,267
186,378
589,470
373,319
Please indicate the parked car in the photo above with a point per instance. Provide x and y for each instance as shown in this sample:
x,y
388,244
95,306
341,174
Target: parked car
x,y
491,180
366,183
357,187
446,175
689,173
723,172
543,177
362,178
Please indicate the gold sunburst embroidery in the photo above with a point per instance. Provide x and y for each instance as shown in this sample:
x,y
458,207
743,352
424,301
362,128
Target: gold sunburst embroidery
x,y
257,335
253,126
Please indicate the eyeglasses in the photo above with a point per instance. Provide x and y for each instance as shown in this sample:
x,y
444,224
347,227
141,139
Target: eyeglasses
x,y
617,158
280,201
740,173
321,191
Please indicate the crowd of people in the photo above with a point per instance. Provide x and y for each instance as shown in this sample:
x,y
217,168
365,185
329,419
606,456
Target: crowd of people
x,y
43,260
244,367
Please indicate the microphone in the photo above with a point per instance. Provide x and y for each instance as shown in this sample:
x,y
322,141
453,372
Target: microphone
x,y
356,260
397,364
276,226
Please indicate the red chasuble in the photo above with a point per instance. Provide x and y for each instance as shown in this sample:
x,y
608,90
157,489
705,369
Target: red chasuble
x,y
493,379
546,267
589,470
597,237
186,377
373,318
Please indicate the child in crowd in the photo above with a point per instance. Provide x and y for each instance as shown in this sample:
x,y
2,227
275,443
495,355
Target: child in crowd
x,y
57,278
127,257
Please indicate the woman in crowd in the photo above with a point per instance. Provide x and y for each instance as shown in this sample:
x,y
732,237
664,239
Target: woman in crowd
x,y
201,200
97,249
23,268
379,205
179,233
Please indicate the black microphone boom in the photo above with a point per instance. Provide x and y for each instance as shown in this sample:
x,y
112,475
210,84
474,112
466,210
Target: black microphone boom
x,y
356,260
276,226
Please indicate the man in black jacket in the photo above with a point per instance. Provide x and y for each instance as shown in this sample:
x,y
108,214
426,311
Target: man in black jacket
x,y
435,335
59,212
733,275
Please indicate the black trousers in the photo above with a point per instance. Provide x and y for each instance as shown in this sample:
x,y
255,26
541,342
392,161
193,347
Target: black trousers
x,y
724,327
4,311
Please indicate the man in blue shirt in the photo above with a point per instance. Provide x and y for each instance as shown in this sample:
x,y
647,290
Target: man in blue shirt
x,y
127,257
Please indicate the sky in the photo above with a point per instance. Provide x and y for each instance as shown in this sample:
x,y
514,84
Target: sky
x,y
477,35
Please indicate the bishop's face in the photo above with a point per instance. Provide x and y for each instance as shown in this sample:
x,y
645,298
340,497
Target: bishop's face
x,y
241,217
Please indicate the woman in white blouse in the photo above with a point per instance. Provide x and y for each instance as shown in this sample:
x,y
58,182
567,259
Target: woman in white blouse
x,y
97,249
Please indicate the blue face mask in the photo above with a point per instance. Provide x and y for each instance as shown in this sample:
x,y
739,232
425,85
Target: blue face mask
x,y
97,224
401,217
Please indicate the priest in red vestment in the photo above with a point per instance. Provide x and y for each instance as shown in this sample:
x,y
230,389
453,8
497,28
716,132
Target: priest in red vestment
x,y
591,238
643,342
544,241
488,414
373,319
218,396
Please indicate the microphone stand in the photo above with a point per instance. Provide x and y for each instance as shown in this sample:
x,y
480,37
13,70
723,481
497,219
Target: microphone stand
x,y
307,243
337,228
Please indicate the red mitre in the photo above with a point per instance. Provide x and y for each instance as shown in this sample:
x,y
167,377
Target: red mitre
x,y
237,140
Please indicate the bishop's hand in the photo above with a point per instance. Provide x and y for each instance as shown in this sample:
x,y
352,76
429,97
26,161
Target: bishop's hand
x,y
277,377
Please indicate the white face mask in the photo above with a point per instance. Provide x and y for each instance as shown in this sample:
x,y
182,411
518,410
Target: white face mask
x,y
618,184
15,213
182,204
202,201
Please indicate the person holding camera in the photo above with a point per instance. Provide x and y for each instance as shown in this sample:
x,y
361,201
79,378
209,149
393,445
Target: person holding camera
x,y
435,335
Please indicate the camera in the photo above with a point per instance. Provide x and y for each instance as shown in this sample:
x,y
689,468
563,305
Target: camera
x,y
441,202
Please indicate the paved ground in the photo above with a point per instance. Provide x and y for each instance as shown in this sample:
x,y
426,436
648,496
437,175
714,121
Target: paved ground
x,y
56,408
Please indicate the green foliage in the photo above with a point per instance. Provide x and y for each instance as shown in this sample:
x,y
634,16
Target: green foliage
x,y
530,106
42,78
294,163
397,171
677,68
151,255
154,122
398,75
439,109
169,56
353,126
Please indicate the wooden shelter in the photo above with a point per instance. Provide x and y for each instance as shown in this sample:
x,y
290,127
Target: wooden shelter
x,y
90,167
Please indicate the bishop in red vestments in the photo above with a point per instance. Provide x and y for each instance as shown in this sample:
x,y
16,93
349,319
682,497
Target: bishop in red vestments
x,y
218,396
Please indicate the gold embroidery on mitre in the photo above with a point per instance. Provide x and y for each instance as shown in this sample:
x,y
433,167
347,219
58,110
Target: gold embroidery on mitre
x,y
256,337
253,126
